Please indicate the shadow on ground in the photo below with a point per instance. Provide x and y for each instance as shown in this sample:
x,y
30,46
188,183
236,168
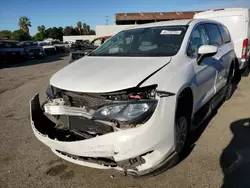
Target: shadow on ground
x,y
235,158
48,59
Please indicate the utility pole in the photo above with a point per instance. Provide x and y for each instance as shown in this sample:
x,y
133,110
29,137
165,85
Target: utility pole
x,y
107,20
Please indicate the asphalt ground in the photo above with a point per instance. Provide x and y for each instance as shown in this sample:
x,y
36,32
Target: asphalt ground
x,y
220,156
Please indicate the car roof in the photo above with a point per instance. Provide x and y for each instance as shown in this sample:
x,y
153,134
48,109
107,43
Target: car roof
x,y
162,23
223,9
171,23
8,41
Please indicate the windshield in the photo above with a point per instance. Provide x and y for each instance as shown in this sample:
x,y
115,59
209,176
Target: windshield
x,y
29,44
153,41
9,45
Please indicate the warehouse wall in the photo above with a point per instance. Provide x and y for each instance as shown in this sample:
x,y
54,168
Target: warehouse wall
x,y
105,30
79,37
101,30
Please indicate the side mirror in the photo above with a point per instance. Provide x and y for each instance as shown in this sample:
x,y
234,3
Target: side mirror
x,y
206,51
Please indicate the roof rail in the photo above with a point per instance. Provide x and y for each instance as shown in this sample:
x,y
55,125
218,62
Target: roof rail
x,y
219,9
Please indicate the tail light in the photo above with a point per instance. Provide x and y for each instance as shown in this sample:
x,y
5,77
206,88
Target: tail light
x,y
244,49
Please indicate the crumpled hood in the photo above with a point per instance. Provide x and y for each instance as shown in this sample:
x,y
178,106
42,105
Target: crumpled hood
x,y
106,74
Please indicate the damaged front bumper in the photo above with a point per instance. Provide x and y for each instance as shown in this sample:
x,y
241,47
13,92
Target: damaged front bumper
x,y
138,150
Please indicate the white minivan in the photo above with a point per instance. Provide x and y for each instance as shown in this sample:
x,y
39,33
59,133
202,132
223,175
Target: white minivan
x,y
237,20
130,104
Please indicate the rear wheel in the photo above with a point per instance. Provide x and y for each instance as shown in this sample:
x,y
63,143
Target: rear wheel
x,y
246,71
229,91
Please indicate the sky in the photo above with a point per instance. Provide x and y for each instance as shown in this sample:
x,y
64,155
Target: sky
x,y
55,13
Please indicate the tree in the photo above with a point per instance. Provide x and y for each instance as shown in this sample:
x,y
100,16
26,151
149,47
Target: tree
x,y
38,36
41,33
55,33
79,27
41,28
20,35
86,30
92,32
68,31
5,34
24,23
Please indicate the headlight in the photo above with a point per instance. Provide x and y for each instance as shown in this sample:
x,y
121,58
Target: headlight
x,y
41,49
128,112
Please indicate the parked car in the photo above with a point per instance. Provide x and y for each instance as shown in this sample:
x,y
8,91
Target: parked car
x,y
60,46
67,45
32,49
74,55
237,20
77,54
48,48
131,104
81,45
11,52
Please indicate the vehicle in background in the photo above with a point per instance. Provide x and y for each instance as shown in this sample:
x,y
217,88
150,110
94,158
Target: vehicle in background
x,y
67,45
81,45
99,41
11,52
74,55
48,48
32,49
131,103
237,21
60,46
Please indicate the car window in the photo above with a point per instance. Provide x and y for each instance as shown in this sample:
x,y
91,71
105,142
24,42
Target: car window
x,y
213,34
198,38
151,41
225,34
9,45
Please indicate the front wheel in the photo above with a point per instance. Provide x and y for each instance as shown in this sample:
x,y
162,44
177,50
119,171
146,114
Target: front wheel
x,y
181,133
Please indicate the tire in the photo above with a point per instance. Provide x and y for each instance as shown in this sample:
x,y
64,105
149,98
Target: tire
x,y
246,71
181,135
229,90
179,151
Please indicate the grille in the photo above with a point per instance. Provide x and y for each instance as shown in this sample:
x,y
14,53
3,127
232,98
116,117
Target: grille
x,y
49,50
109,162
35,50
83,99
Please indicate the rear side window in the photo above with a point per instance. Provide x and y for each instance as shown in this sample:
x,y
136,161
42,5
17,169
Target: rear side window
x,y
225,34
213,34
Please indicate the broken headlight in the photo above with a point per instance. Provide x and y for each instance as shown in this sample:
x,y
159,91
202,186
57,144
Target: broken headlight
x,y
126,112
50,93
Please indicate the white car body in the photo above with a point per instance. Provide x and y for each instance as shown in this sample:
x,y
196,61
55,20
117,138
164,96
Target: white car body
x,y
149,145
237,20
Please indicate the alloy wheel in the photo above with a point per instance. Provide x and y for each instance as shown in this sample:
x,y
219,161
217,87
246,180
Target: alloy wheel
x,y
181,133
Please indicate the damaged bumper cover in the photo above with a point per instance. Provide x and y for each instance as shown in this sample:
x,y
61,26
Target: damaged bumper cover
x,y
138,150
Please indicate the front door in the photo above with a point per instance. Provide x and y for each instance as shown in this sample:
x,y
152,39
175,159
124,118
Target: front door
x,y
205,72
223,58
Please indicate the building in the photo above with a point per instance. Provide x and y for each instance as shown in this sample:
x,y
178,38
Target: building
x,y
124,20
148,17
